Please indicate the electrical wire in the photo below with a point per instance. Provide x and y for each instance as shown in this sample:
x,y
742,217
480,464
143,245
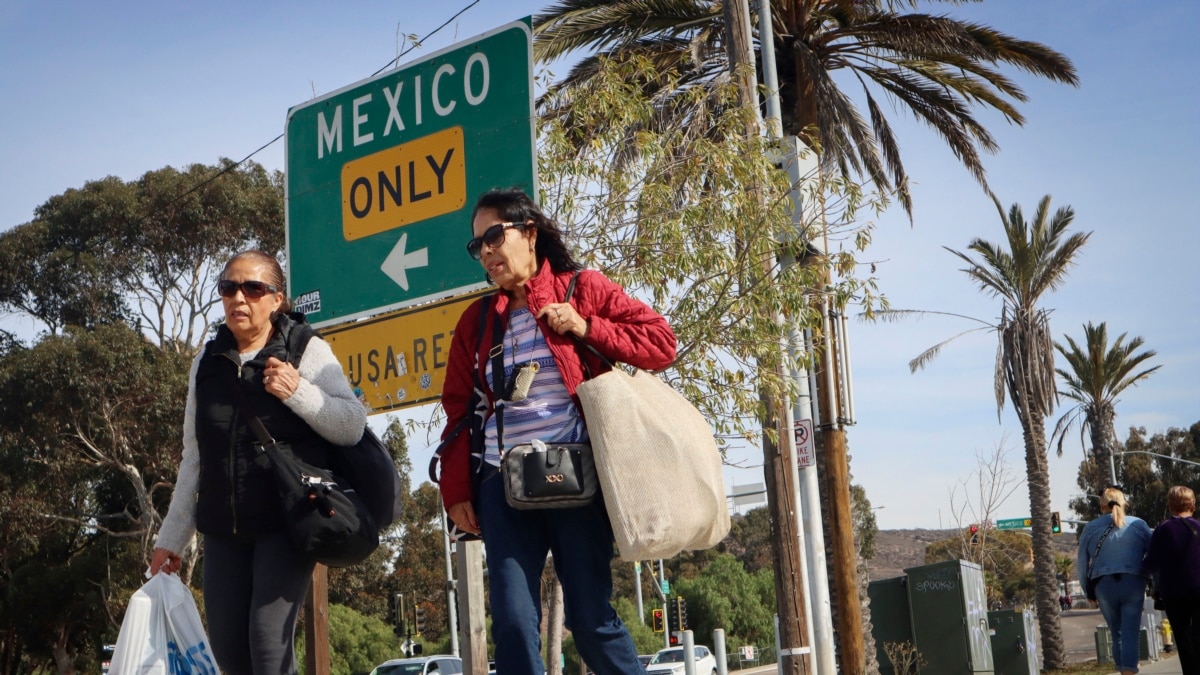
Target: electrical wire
x,y
271,142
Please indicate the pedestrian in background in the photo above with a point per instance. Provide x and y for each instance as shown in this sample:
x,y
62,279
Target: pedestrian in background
x,y
1174,564
1112,551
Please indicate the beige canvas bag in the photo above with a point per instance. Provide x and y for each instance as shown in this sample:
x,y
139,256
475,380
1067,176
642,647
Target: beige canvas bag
x,y
658,465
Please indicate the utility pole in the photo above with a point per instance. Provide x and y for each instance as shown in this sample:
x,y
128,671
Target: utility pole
x,y
833,399
778,457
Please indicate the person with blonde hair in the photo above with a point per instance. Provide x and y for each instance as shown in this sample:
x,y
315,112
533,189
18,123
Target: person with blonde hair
x,y
1174,563
1112,550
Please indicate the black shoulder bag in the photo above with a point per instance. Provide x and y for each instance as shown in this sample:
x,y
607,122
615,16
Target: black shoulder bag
x,y
367,465
325,519
1089,583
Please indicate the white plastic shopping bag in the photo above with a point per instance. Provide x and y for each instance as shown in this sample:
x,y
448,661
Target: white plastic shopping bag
x,y
162,633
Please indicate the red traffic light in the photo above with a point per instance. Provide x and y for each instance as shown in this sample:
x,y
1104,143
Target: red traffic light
x,y
674,640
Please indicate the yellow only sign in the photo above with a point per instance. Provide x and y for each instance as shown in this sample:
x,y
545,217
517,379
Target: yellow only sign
x,y
404,184
398,360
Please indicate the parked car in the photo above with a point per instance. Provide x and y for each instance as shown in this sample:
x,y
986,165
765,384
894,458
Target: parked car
x,y
421,665
670,661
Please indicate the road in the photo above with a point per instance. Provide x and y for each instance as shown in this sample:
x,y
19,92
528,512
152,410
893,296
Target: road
x,y
1079,633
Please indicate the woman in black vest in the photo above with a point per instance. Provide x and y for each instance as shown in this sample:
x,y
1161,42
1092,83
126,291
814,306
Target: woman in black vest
x,y
254,580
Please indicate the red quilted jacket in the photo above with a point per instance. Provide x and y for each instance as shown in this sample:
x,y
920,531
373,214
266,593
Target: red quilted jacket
x,y
619,327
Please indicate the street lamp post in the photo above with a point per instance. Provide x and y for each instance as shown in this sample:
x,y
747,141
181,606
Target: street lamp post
x,y
1112,464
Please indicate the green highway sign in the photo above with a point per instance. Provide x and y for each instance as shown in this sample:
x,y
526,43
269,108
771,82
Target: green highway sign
x,y
1014,523
382,175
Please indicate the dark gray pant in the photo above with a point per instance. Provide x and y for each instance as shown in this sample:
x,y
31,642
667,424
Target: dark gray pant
x,y
253,590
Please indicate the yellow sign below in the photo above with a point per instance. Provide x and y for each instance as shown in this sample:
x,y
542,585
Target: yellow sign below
x,y
404,184
398,360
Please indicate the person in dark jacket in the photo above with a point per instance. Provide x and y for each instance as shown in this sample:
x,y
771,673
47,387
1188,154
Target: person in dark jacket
x,y
1174,563
534,331
254,579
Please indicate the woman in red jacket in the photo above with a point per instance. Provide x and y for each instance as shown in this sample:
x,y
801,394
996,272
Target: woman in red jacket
x,y
535,331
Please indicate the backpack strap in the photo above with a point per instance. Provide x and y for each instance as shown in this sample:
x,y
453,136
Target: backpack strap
x,y
467,421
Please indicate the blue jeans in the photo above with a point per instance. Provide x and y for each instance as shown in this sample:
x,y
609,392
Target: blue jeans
x,y
1121,598
581,541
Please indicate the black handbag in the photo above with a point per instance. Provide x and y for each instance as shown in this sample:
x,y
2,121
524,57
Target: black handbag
x,y
540,475
326,519
555,475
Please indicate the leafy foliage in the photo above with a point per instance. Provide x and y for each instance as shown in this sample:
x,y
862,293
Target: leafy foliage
x,y
696,225
1144,477
89,424
145,252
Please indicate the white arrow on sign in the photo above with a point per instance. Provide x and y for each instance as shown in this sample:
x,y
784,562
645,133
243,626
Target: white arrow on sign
x,y
398,262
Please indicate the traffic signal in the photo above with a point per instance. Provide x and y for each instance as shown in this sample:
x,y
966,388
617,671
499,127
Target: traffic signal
x,y
420,618
674,642
1055,523
656,620
680,613
974,534
401,624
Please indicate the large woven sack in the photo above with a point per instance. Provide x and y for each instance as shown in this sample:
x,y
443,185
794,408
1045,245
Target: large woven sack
x,y
658,464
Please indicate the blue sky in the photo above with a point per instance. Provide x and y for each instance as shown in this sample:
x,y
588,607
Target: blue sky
x,y
123,88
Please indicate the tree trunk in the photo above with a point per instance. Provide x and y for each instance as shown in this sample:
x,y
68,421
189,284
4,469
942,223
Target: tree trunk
x,y
1054,654
1103,444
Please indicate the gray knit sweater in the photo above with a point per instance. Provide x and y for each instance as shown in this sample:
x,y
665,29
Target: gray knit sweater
x,y
323,400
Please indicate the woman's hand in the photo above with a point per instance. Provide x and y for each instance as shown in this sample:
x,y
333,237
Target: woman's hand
x,y
163,560
280,378
463,515
562,319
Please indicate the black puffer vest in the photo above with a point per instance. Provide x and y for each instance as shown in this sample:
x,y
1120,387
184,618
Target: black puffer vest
x,y
237,494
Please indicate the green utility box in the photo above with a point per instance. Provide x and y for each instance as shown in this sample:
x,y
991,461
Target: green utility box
x,y
1014,642
890,623
1104,644
948,607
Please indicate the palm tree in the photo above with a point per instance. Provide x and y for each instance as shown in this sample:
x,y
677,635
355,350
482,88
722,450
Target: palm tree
x,y
1098,374
939,68
1037,260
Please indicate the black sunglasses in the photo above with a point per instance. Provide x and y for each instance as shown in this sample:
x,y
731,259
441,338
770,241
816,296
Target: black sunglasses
x,y
253,290
493,236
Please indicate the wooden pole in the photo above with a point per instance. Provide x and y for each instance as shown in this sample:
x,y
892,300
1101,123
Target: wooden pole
x,y
316,627
778,460
468,558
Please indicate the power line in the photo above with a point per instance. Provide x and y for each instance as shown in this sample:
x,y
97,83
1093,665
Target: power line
x,y
271,142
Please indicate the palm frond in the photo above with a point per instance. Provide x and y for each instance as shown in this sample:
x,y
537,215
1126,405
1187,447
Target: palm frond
x,y
924,358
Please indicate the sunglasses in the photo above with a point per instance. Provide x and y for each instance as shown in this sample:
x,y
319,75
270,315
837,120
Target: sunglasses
x,y
253,290
493,236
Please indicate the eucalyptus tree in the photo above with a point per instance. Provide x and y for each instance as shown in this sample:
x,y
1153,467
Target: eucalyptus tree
x,y
940,69
145,252
1034,260
1098,373
89,431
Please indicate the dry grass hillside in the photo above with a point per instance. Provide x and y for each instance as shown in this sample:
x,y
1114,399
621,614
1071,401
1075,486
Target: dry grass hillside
x,y
896,550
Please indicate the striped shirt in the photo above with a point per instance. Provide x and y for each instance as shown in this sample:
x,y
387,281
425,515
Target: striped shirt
x,y
548,412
